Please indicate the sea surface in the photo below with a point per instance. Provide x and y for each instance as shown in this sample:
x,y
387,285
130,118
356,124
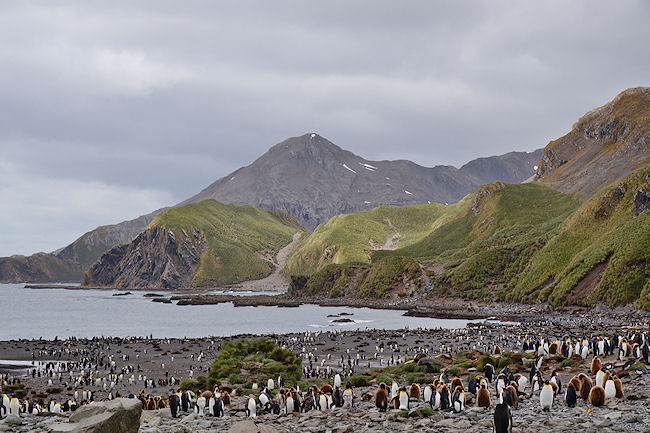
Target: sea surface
x,y
62,313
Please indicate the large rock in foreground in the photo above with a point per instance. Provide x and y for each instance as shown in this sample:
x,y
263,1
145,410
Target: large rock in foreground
x,y
121,415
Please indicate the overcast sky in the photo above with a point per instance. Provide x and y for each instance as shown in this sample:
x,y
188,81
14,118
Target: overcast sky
x,y
111,109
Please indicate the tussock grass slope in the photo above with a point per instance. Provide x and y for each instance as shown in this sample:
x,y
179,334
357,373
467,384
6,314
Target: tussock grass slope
x,y
242,241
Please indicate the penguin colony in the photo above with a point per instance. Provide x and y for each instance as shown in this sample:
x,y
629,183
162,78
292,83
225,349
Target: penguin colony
x,y
502,390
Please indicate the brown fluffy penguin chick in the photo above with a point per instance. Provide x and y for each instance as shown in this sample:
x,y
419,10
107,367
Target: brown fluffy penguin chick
x,y
596,365
575,381
456,382
585,387
597,396
326,389
415,391
497,350
555,388
552,349
513,395
619,387
381,398
225,398
483,397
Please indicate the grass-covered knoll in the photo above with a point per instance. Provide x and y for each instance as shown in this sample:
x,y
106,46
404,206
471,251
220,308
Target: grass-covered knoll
x,y
242,362
242,240
601,253
351,238
522,242
485,250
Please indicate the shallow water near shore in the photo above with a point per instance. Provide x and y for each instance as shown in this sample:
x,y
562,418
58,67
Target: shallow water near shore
x,y
50,313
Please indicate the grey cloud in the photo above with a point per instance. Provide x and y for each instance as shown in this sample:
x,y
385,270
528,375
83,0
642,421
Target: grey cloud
x,y
167,96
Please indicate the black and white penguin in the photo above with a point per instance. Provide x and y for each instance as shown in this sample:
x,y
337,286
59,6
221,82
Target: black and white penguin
x,y
502,419
218,408
571,396
174,404
348,397
546,396
459,400
265,398
185,401
4,406
280,382
489,372
556,380
337,380
337,397
427,395
14,406
251,407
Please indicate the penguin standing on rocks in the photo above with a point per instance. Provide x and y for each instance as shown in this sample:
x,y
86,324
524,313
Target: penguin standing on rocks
x,y
174,404
337,380
185,401
610,389
597,396
251,407
489,372
502,419
427,395
483,397
381,398
403,400
4,403
200,405
571,396
585,386
348,397
546,396
14,407
459,399
217,408
337,397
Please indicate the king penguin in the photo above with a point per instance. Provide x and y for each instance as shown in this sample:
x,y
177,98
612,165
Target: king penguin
x,y
502,419
546,396
250,407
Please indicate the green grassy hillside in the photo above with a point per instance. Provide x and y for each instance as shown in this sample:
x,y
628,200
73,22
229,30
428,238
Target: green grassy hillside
x,y
241,240
512,242
352,238
601,253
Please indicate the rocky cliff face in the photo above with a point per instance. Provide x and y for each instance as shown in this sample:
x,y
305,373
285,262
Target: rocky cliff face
x,y
312,179
38,268
603,145
91,245
157,257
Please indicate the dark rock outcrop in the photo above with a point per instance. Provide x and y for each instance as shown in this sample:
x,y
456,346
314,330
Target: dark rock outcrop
x,y
604,145
641,200
157,257
38,268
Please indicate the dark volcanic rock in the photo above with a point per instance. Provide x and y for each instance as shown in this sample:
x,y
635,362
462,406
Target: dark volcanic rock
x,y
641,200
156,258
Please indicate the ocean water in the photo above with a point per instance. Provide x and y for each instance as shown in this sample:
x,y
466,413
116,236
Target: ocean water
x,y
50,313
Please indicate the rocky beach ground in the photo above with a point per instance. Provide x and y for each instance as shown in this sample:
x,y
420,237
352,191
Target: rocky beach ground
x,y
161,359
